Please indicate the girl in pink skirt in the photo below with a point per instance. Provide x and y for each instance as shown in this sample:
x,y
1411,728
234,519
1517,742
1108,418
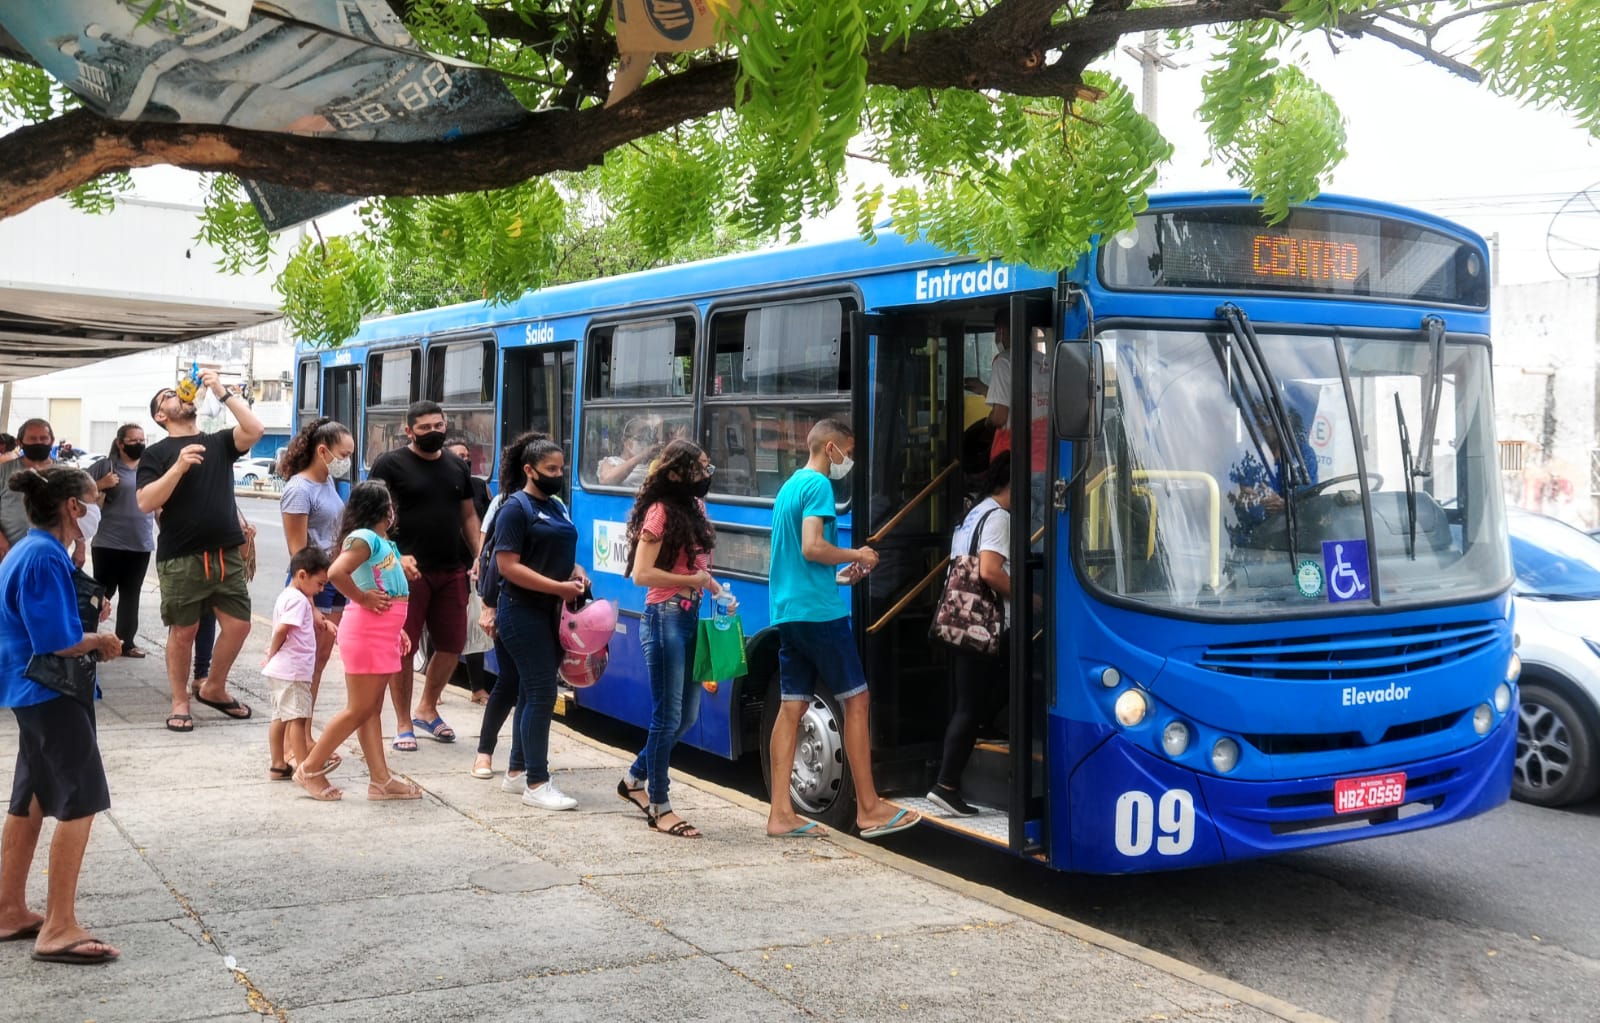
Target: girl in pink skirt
x,y
372,640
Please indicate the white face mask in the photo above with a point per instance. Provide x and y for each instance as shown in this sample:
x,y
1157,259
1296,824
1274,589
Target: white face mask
x,y
339,468
839,470
89,525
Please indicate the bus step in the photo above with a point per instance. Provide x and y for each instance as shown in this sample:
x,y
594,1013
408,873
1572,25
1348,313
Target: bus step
x,y
991,824
564,698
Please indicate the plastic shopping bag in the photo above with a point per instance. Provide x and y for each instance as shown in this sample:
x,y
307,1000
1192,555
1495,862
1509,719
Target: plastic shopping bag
x,y
719,649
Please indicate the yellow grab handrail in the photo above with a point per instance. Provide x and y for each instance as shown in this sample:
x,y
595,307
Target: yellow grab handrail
x,y
900,604
921,496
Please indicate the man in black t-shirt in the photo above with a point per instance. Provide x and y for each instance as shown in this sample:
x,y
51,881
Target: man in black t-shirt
x,y
188,478
436,530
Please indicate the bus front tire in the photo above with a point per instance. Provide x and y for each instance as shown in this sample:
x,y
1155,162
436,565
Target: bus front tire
x,y
821,785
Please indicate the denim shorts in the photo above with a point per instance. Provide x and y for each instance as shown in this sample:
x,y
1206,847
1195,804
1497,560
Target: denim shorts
x,y
808,651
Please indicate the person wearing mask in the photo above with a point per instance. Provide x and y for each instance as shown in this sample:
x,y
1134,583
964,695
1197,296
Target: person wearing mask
x,y
815,642
477,679
978,679
670,539
536,554
640,446
314,462
127,535
59,772
36,442
437,533
504,694
188,478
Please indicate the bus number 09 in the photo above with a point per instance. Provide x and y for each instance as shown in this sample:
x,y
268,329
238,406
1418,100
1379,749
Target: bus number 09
x,y
1138,817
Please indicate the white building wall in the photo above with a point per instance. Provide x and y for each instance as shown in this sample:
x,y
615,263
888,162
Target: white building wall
x,y
1547,371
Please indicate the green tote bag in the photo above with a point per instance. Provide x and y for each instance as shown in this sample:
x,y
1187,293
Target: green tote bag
x,y
719,649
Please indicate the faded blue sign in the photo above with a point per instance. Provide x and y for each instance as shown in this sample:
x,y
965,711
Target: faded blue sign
x,y
345,69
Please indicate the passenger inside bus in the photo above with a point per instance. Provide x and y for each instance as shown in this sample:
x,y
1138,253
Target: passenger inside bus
x,y
1258,474
640,446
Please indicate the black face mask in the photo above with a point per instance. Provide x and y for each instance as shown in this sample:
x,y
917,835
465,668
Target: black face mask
x,y
699,488
549,486
36,452
133,451
429,443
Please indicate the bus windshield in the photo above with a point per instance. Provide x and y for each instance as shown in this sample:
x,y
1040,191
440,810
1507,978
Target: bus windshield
x,y
1190,502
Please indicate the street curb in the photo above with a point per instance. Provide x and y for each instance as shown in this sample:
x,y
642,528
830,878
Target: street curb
x,y
1231,989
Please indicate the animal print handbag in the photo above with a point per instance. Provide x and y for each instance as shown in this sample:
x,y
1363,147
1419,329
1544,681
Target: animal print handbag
x,y
970,617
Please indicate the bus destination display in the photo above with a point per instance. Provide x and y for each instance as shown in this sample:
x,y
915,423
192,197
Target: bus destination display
x,y
1318,252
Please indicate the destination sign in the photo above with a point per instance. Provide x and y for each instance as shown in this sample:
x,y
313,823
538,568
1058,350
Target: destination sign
x,y
1229,249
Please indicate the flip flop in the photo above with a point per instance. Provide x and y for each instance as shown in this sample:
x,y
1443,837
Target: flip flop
x,y
899,822
810,829
185,723
405,742
436,729
226,708
26,932
74,958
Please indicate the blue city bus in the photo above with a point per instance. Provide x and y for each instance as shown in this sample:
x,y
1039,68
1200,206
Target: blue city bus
x,y
1261,602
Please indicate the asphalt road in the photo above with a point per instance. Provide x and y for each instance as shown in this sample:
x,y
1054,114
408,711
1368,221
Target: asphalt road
x,y
1495,919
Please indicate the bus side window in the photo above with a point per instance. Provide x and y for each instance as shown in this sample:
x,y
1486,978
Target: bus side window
x,y
638,398
773,371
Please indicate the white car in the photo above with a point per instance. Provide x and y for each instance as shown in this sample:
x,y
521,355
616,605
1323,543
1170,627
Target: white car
x,y
1557,597
248,470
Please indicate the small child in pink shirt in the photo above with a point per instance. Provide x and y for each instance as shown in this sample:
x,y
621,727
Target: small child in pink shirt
x,y
291,660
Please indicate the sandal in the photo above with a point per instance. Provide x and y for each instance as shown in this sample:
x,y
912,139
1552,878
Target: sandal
x,y
281,773
327,794
394,788
405,742
180,723
328,767
626,795
682,829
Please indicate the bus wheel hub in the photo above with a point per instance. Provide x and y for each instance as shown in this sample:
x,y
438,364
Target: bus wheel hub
x,y
818,759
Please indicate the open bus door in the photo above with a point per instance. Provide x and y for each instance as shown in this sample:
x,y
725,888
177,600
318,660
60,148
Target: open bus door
x,y
909,493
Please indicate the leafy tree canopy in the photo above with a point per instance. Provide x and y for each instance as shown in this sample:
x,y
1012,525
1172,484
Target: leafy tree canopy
x,y
1022,151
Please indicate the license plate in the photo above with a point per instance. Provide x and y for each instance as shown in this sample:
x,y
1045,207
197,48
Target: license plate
x,y
1374,792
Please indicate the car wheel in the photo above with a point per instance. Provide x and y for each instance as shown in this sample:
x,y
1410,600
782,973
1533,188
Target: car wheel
x,y
250,479
1555,750
819,783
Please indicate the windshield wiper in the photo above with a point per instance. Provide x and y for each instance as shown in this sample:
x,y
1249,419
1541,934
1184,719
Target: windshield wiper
x,y
1433,327
1411,474
1291,460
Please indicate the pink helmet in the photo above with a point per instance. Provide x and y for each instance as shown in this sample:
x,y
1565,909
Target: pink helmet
x,y
581,671
588,629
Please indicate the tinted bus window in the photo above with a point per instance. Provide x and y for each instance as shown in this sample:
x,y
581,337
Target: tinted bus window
x,y
643,360
308,387
640,377
775,370
393,383
461,373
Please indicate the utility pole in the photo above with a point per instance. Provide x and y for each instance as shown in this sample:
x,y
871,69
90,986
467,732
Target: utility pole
x,y
5,407
1148,54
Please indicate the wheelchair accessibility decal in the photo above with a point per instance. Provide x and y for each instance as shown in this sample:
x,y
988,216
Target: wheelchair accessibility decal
x,y
1344,563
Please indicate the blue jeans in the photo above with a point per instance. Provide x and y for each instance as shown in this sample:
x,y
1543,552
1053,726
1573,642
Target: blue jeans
x,y
667,635
532,655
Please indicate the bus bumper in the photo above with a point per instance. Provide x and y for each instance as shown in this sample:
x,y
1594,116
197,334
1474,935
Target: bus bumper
x,y
1132,811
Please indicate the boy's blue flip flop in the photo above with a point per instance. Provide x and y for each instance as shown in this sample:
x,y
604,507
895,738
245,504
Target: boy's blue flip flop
x,y
899,822
435,728
807,830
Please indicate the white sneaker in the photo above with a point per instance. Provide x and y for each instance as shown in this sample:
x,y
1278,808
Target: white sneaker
x,y
548,797
514,783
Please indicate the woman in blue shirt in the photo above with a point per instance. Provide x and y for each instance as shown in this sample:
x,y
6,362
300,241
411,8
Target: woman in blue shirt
x,y
536,554
59,773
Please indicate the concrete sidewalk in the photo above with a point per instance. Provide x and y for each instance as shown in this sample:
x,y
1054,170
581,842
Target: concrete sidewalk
x,y
235,898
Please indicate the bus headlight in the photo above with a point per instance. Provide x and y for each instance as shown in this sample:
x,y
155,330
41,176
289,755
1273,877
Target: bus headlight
x,y
1513,668
1131,708
1502,697
1175,738
1111,678
1482,719
1225,755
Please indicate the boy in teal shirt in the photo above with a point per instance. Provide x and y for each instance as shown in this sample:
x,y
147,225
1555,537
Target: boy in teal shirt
x,y
814,635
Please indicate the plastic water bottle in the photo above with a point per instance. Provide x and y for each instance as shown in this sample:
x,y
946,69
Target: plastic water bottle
x,y
724,603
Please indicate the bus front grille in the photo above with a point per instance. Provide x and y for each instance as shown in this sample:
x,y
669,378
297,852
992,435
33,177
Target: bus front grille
x,y
1382,653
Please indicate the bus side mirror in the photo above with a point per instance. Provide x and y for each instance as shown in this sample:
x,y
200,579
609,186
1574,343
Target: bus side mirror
x,y
1076,378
